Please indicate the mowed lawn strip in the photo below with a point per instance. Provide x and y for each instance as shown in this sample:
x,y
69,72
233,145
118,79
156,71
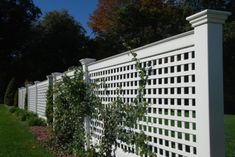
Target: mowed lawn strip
x,y
229,125
15,138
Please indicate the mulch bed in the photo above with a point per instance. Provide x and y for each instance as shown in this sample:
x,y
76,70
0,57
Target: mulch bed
x,y
43,134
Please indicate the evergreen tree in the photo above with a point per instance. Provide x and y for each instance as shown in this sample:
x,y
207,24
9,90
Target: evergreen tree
x,y
9,94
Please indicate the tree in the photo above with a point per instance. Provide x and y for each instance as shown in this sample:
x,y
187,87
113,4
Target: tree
x,y
198,5
136,23
229,66
9,94
140,24
59,42
17,18
102,18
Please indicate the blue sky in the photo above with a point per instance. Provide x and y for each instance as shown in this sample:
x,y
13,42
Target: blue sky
x,y
79,9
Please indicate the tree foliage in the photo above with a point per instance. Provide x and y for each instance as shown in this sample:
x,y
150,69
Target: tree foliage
x,y
16,22
137,22
52,43
59,42
103,17
10,92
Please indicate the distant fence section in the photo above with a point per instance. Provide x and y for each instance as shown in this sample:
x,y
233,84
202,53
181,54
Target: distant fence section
x,y
42,88
184,90
36,97
32,99
21,97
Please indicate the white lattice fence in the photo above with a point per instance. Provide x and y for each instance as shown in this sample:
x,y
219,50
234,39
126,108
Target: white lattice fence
x,y
37,96
42,88
32,98
184,90
170,92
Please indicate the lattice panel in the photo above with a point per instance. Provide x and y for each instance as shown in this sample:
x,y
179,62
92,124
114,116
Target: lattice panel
x,y
21,97
32,98
42,88
170,121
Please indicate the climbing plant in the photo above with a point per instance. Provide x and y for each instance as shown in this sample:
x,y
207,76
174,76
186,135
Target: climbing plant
x,y
74,99
72,103
49,105
120,119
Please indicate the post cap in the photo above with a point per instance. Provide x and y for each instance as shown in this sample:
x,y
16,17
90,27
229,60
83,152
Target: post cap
x,y
54,74
208,16
35,82
86,61
49,76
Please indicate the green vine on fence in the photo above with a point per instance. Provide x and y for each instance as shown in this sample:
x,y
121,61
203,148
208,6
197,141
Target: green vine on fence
x,y
120,119
74,99
49,105
72,103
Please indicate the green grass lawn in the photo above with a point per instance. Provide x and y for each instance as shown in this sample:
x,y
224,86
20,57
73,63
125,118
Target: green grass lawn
x,y
15,138
229,124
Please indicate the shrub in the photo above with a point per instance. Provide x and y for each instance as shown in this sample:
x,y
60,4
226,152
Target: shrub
x,y
9,94
49,105
31,114
24,116
36,121
13,109
19,112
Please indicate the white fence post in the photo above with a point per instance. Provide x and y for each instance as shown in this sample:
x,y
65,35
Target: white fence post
x,y
209,69
54,79
87,120
50,80
27,94
36,96
21,97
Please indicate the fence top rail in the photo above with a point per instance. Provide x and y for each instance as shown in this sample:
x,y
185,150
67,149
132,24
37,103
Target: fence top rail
x,y
176,42
146,46
32,86
42,82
